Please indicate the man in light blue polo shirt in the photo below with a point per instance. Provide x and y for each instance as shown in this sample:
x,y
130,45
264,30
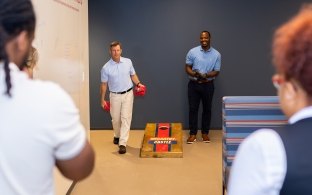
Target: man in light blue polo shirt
x,y
119,75
203,65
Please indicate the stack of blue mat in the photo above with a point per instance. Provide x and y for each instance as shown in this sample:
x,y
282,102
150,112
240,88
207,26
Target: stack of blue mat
x,y
241,116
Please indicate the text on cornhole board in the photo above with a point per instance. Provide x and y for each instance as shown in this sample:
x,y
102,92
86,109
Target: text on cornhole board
x,y
162,140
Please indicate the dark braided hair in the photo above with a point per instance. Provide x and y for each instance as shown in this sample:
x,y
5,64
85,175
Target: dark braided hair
x,y
15,16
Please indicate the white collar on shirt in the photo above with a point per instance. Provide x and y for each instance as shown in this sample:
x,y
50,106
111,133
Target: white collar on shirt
x,y
12,66
120,61
301,114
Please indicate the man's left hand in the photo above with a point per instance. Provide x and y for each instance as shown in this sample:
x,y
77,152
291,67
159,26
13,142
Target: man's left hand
x,y
140,90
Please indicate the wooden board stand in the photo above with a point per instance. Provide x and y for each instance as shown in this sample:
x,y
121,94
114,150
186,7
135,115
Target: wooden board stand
x,y
162,140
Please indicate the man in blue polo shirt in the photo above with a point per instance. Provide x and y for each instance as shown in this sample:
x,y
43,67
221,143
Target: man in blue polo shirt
x,y
203,65
119,75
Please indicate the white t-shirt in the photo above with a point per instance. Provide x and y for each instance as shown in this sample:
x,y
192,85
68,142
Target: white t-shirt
x,y
260,164
38,124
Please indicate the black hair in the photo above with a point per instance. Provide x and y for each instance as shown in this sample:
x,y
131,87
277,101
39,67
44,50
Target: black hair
x,y
15,17
205,31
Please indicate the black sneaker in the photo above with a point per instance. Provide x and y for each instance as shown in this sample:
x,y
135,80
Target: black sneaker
x,y
122,149
116,140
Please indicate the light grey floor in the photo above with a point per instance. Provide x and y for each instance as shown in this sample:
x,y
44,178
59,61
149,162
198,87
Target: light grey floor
x,y
199,172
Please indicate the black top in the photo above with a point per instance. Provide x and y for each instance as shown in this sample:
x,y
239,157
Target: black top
x,y
298,146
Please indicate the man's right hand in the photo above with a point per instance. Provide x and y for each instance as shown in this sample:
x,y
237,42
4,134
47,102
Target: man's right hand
x,y
199,76
105,105
196,74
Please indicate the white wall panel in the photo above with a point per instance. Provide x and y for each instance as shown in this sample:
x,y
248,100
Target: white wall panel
x,y
62,42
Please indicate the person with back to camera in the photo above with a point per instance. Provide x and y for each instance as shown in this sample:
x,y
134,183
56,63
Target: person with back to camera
x,y
40,126
119,75
203,65
271,162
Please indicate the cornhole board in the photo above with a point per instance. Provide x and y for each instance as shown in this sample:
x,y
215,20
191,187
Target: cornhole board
x,y
162,140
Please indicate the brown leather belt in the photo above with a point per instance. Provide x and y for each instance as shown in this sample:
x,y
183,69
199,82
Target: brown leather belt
x,y
201,81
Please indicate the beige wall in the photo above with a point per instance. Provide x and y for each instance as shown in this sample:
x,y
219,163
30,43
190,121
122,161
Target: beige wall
x,y
62,43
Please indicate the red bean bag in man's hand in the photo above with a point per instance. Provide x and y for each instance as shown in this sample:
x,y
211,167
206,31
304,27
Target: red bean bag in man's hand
x,y
140,90
107,106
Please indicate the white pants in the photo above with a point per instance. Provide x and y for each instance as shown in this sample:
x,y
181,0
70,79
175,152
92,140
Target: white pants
x,y
121,113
